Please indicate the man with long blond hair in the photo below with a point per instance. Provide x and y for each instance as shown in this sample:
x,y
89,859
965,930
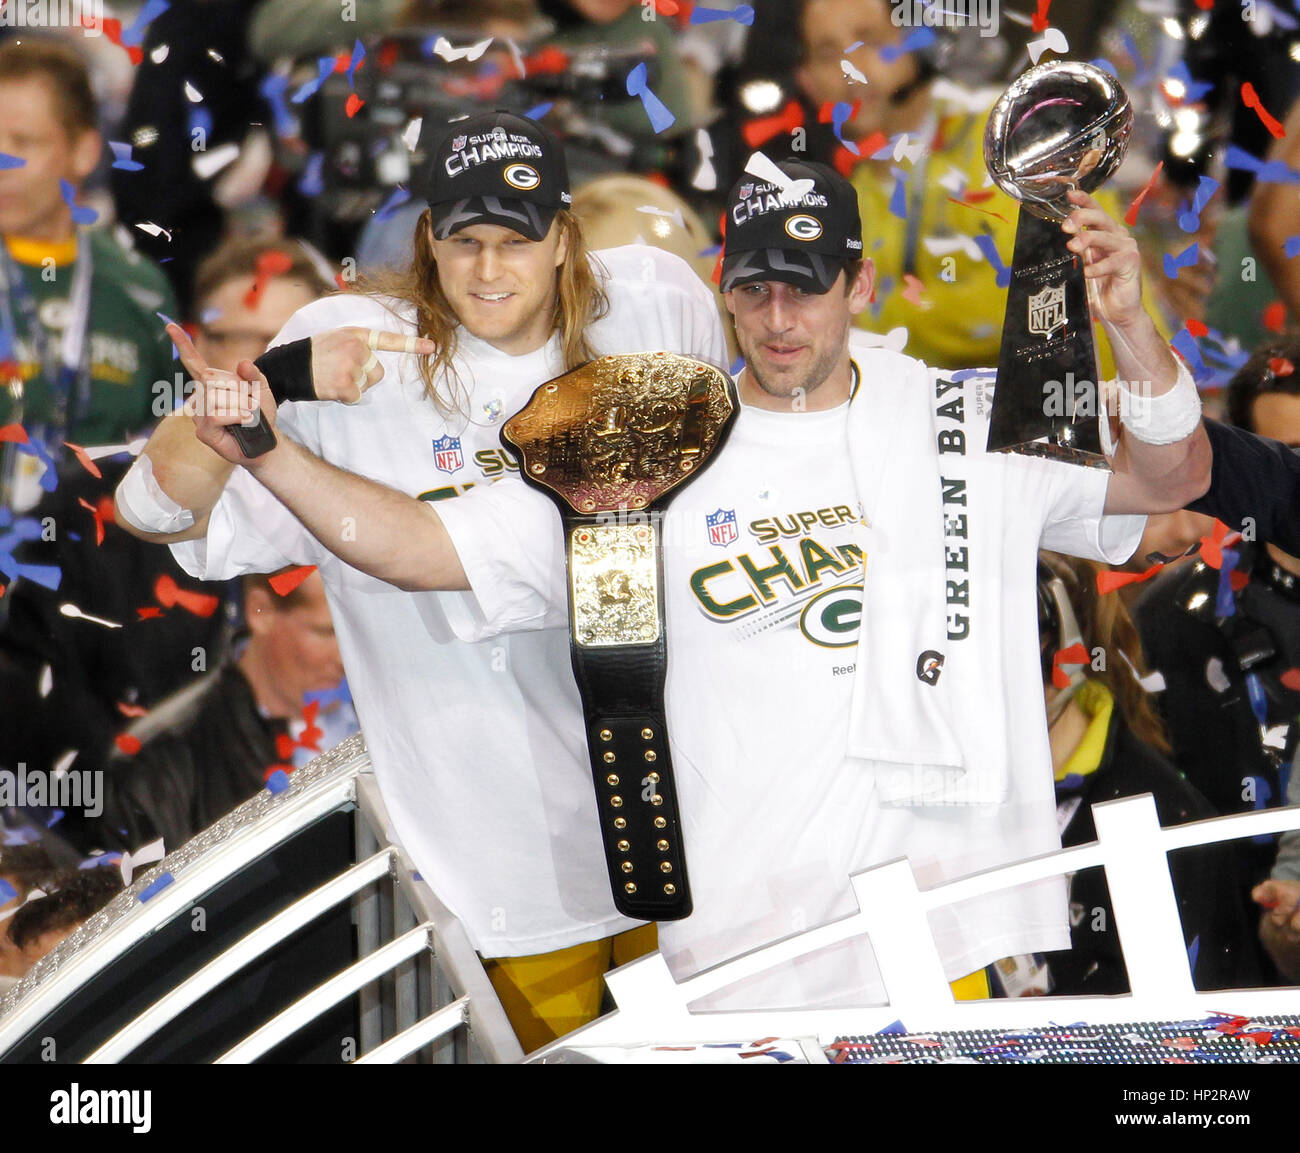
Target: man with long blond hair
x,y
478,749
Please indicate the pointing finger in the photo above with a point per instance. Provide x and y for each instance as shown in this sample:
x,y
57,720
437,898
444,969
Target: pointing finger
x,y
398,342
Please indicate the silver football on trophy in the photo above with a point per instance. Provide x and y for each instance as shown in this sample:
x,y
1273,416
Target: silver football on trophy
x,y
1058,126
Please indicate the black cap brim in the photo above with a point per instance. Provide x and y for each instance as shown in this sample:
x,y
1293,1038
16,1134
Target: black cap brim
x,y
807,270
522,216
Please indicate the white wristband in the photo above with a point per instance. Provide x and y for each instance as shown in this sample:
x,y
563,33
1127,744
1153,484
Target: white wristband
x,y
143,504
1166,418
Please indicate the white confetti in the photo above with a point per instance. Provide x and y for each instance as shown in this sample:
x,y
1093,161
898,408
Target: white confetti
x,y
517,57
62,765
159,54
852,72
1215,677
675,215
411,133
71,610
791,190
953,181
134,447
46,682
1053,40
145,855
905,146
206,164
152,229
444,49
192,94
947,245
215,55
706,177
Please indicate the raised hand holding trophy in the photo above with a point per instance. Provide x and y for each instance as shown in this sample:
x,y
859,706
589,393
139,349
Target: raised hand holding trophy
x,y
1058,127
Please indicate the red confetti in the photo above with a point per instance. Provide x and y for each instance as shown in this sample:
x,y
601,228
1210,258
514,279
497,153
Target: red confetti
x,y
978,195
1280,366
1108,582
1250,98
169,593
99,523
667,7
549,60
127,743
284,583
1205,5
1275,316
1074,655
1238,580
113,30
975,208
759,132
1212,545
273,769
1040,16
1131,216
354,105
269,264
147,614
89,465
1197,328
284,746
13,434
912,293
129,710
1262,1037
1291,679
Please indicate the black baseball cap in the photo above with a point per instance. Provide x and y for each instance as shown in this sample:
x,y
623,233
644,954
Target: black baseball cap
x,y
804,241
495,168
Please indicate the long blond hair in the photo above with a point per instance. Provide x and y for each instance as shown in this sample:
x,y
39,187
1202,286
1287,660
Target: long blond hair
x,y
579,301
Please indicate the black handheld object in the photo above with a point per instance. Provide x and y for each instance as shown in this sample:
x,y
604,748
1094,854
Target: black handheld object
x,y
254,439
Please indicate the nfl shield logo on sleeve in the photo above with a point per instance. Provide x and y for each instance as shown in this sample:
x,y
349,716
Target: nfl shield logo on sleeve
x,y
458,143
447,456
722,526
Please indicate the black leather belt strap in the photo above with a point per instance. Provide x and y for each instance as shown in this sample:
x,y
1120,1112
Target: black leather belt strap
x,y
607,442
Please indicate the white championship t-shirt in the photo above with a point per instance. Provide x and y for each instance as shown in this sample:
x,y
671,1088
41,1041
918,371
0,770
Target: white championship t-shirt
x,y
763,589
478,748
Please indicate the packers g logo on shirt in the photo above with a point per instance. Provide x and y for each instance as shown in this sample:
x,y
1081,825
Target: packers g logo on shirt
x,y
804,227
831,619
522,176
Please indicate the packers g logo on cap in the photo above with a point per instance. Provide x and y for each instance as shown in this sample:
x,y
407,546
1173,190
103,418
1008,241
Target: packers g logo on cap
x,y
522,176
804,227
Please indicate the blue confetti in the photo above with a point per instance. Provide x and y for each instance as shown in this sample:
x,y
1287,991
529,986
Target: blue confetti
x,y
1190,220
155,887
278,781
399,197
1186,347
1193,951
80,214
1105,65
102,858
839,117
914,41
1193,91
539,110
898,199
7,892
896,1027
122,157
655,109
133,37
272,90
1185,259
1225,604
200,120
24,836
358,55
986,245
7,161
1266,172
312,180
738,366
324,66
1130,46
1258,706
57,816
742,14
1292,246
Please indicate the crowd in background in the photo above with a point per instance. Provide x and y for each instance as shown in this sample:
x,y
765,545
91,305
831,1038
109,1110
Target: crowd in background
x,y
224,162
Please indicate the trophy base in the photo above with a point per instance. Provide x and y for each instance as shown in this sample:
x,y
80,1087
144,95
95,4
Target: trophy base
x,y
1047,400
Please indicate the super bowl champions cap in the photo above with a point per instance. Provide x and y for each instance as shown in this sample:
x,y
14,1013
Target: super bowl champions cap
x,y
496,168
803,241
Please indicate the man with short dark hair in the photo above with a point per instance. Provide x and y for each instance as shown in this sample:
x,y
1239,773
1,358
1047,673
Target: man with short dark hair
x,y
805,748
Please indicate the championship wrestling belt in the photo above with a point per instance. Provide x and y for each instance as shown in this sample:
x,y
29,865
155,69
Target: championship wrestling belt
x,y
608,442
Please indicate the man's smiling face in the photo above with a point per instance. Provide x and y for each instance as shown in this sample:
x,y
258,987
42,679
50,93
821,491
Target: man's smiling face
x,y
502,285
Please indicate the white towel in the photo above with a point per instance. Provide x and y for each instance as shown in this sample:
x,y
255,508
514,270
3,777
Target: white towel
x,y
928,702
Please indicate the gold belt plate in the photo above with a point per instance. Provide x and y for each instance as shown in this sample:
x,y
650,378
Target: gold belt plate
x,y
621,431
613,584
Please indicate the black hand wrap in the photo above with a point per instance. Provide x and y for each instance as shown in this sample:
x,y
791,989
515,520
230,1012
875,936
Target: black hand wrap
x,y
288,370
